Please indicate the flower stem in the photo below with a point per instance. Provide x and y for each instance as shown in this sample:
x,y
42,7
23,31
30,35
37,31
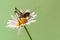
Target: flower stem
x,y
27,32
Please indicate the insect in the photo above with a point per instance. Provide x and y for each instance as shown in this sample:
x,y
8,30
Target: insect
x,y
22,15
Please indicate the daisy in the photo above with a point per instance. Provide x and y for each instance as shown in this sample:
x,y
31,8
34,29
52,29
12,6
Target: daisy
x,y
21,19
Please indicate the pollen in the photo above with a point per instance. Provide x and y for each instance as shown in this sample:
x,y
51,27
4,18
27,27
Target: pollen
x,y
18,23
21,21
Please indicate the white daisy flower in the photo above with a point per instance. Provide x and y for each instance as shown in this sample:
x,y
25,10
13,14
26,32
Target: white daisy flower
x,y
17,22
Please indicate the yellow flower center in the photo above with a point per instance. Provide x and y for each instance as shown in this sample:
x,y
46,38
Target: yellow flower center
x,y
21,21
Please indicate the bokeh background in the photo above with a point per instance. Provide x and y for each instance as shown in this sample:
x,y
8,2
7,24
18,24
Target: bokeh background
x,y
47,26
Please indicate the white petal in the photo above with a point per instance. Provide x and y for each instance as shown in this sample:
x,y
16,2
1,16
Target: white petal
x,y
32,13
32,21
28,23
27,11
11,22
12,26
19,31
12,17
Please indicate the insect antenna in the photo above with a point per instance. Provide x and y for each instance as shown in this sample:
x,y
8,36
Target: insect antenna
x,y
20,14
18,11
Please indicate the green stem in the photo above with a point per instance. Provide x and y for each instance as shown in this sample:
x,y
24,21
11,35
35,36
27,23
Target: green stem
x,y
27,32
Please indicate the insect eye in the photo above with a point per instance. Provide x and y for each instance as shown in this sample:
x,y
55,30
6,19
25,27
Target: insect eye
x,y
26,14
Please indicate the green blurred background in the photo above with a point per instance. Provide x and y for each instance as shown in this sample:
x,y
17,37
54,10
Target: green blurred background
x,y
47,26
